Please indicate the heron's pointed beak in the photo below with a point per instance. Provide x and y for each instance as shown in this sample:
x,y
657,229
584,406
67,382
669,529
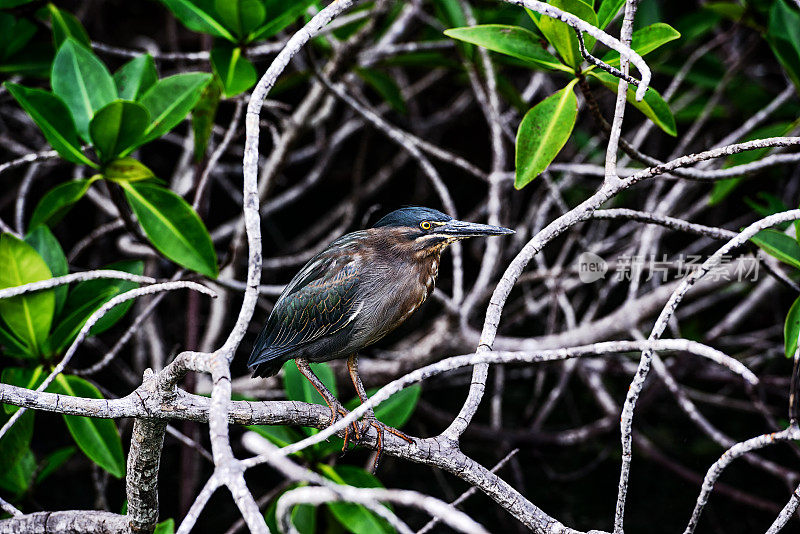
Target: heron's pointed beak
x,y
462,229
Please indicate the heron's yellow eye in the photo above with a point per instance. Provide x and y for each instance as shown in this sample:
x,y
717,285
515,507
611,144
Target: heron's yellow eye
x,y
425,225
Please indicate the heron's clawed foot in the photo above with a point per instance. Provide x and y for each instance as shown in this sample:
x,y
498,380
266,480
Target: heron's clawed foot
x,y
337,411
380,428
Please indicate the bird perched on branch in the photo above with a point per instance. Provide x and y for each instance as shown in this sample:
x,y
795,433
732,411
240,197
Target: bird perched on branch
x,y
353,293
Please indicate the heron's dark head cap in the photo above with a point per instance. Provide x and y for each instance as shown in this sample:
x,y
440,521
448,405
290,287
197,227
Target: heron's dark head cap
x,y
428,228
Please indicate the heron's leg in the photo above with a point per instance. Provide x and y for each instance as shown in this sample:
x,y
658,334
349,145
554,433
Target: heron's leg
x,y
334,405
369,417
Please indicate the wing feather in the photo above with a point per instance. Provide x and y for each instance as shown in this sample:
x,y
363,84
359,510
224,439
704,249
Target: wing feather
x,y
319,301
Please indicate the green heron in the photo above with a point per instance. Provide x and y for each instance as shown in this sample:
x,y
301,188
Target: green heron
x,y
353,293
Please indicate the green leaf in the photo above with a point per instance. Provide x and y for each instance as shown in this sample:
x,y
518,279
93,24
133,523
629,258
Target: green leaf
x,y
652,105
82,82
279,15
86,298
135,77
783,35
645,40
127,170
562,36
52,116
299,388
17,441
24,377
64,25
241,16
165,527
15,33
17,477
303,515
59,200
117,128
8,4
397,409
203,115
385,86
235,71
276,434
304,518
607,11
779,245
172,226
97,438
29,315
512,41
543,132
12,345
170,100
791,329
354,517
197,15
48,247
52,462
730,10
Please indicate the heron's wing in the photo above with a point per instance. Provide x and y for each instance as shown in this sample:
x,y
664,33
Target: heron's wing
x,y
319,301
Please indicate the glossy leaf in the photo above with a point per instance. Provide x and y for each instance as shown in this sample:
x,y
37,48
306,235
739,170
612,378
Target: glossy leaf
x,y
652,105
276,434
645,40
135,77
24,377
779,245
203,115
354,517
53,462
12,345
512,41
298,387
16,478
385,86
303,516
199,16
16,442
165,527
791,329
15,33
59,200
240,16
48,247
127,170
97,438
30,315
51,116
172,226
235,71
397,409
607,11
280,14
64,25
543,132
170,100
86,298
117,128
82,82
562,36
783,35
